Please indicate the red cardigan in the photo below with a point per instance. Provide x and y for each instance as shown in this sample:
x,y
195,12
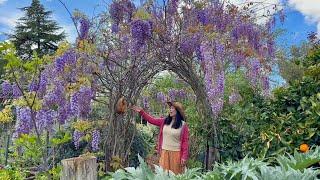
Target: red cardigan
x,y
184,152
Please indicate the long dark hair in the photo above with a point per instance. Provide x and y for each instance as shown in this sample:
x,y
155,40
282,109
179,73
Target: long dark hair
x,y
178,123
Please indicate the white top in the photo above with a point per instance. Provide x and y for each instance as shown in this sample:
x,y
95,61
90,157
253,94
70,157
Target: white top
x,y
171,138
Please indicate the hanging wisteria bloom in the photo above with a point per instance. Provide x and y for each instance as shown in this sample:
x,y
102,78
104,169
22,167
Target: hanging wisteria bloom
x,y
254,72
42,85
45,119
173,7
119,11
16,92
68,58
33,86
161,97
214,83
145,102
84,28
172,94
63,113
116,11
60,63
190,44
115,28
76,138
81,102
24,122
265,86
141,31
203,16
6,90
182,94
95,140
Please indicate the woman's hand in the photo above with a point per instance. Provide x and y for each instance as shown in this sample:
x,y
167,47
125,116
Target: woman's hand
x,y
136,109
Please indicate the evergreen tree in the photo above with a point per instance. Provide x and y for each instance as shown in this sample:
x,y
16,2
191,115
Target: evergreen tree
x,y
36,31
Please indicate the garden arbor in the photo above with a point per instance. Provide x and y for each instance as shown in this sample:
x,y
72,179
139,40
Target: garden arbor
x,y
199,41
117,55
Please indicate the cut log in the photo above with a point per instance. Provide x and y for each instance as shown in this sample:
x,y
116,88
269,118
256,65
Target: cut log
x,y
79,168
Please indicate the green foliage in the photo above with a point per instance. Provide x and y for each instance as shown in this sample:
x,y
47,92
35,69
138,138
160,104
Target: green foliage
x,y
245,169
12,174
193,173
290,71
142,172
8,55
64,147
266,127
56,141
53,174
27,151
143,143
313,57
269,173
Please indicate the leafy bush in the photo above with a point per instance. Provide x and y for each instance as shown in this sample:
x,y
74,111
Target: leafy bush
x,y
290,167
10,173
142,144
266,127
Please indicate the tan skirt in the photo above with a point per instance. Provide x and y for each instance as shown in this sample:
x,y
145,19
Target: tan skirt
x,y
170,160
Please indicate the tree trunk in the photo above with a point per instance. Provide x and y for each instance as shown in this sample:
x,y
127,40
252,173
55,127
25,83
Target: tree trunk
x,y
79,168
7,148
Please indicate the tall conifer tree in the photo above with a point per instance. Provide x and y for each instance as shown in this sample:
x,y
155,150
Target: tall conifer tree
x,y
36,31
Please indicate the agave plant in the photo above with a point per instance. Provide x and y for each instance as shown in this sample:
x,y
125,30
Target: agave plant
x,y
290,168
193,173
300,161
142,172
270,173
247,168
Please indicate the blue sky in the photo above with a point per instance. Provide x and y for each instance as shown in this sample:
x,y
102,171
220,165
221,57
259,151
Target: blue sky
x,y
302,17
296,26
9,12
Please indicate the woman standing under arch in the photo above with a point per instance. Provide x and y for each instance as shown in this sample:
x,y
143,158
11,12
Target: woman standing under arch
x,y
173,140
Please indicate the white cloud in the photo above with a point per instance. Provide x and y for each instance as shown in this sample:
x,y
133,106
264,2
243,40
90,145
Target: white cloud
x,y
70,31
9,20
260,7
2,1
310,9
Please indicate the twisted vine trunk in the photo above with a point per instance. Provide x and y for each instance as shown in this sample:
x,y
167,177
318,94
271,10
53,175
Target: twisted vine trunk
x,y
210,123
121,129
185,71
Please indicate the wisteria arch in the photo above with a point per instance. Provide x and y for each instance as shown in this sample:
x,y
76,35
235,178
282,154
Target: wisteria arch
x,y
199,41
118,54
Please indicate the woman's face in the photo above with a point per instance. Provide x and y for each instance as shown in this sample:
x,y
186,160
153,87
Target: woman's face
x,y
172,111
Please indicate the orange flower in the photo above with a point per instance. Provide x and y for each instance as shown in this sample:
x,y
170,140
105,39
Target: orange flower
x,y
304,148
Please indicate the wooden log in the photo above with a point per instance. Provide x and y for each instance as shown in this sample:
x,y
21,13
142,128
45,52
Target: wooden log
x,y
79,168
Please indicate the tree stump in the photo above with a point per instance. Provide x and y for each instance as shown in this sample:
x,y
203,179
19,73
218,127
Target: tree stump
x,y
79,168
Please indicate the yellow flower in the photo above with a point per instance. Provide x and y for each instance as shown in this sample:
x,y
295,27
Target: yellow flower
x,y
82,125
62,48
6,115
142,14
